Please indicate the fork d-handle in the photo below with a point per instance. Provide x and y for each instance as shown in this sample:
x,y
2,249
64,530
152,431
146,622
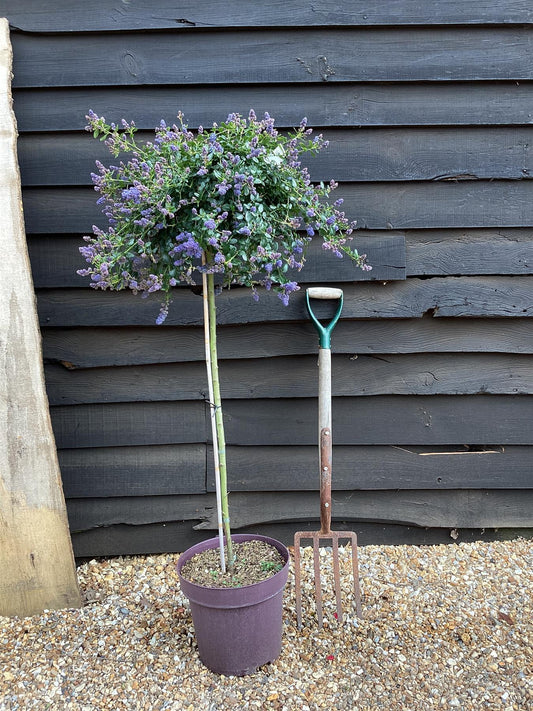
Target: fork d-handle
x,y
324,293
324,398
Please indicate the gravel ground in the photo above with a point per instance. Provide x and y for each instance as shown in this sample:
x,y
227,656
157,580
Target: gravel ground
x,y
445,627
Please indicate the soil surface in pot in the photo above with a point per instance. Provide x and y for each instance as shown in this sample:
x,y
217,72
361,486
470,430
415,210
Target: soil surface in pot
x,y
254,561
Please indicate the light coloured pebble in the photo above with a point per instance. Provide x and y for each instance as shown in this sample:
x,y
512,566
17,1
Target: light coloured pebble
x,y
444,627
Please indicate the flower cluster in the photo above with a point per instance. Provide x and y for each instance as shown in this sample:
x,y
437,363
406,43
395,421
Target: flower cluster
x,y
235,193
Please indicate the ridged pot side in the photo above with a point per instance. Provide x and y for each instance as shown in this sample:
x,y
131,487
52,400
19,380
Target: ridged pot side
x,y
237,629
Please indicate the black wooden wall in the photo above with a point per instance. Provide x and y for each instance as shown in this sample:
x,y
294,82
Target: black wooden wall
x,y
429,110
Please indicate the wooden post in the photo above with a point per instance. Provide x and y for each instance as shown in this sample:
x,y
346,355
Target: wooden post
x,y
37,569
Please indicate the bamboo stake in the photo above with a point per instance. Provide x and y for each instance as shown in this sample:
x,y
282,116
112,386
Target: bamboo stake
x,y
213,421
217,403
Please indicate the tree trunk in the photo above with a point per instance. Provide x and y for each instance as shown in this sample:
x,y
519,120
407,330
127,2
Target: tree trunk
x,y
36,560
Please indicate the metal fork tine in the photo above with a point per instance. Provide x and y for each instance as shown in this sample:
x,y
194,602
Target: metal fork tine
x,y
318,584
355,570
297,580
330,538
337,577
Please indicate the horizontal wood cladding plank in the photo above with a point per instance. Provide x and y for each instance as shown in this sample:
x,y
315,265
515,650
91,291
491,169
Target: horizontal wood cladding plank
x,y
358,154
125,425
495,251
383,533
87,513
170,537
376,206
397,419
133,471
452,509
377,468
175,536
273,56
439,204
446,509
461,297
181,469
103,347
296,377
325,104
63,16
56,259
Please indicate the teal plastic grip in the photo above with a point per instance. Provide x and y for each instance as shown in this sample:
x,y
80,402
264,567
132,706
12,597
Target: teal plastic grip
x,y
324,332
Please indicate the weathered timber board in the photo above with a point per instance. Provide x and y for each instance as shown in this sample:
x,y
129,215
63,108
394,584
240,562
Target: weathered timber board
x,y
358,154
496,251
463,297
181,469
389,534
36,557
273,56
325,104
150,383
439,204
452,509
173,537
123,424
63,16
88,513
379,467
375,206
101,347
397,419
135,471
56,259
296,377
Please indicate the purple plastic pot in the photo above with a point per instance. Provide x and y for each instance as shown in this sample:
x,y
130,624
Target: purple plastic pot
x,y
237,629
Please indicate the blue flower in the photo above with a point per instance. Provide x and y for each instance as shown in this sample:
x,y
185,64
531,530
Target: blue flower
x,y
187,246
288,289
210,224
222,188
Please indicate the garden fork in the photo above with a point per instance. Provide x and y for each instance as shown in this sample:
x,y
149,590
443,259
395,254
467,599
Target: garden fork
x,y
325,442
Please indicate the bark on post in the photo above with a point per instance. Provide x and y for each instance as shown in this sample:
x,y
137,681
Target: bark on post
x,y
36,560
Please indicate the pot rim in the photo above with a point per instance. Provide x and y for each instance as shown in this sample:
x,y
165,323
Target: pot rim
x,y
236,538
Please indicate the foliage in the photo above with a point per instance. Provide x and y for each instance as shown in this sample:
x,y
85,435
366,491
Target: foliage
x,y
232,201
236,192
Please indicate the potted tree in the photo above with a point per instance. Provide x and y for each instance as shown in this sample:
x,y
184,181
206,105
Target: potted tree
x,y
234,205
